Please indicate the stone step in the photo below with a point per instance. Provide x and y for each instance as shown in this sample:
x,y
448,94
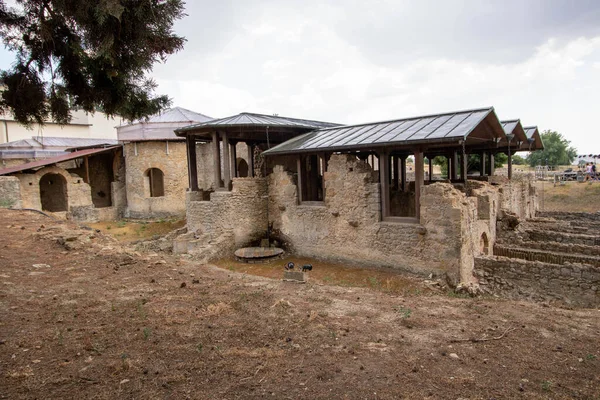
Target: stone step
x,y
567,248
549,235
545,256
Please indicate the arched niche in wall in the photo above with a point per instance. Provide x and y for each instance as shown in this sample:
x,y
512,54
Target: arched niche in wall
x,y
53,193
156,182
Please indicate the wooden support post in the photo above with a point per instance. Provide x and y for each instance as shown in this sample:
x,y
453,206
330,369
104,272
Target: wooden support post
x,y
323,162
250,160
418,181
482,164
226,161
313,178
492,165
396,182
463,166
430,168
234,171
403,174
216,159
190,143
454,166
300,180
509,163
384,184
86,162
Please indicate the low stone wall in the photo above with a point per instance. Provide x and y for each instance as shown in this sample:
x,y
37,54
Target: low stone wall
x,y
229,220
10,192
519,196
545,256
570,216
560,237
574,284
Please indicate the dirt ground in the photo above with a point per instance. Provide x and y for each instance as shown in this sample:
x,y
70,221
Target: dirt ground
x,y
81,316
571,196
132,230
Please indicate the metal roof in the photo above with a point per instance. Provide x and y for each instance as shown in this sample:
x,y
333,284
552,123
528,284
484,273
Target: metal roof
x,y
54,160
160,126
175,114
430,128
246,119
514,127
534,137
63,142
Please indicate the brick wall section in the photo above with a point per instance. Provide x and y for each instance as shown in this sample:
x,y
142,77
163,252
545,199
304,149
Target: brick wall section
x,y
10,192
545,256
574,284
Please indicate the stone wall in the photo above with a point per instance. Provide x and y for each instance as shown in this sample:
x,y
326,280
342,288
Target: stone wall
x,y
519,196
229,220
10,192
575,284
347,226
174,167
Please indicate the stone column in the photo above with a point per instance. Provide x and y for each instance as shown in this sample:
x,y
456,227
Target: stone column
x,y
216,159
226,161
190,143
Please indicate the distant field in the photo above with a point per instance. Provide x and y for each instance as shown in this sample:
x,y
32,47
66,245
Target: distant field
x,y
572,196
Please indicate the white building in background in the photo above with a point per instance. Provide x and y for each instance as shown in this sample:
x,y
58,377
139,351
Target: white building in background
x,y
83,126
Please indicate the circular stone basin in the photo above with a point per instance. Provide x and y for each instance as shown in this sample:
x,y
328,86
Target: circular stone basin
x,y
256,254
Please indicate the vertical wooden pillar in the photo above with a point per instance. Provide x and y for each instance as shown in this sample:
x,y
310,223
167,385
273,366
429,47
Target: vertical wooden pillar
x,y
384,184
300,180
430,169
492,164
86,162
396,172
454,166
403,173
323,162
216,159
482,163
250,160
313,177
234,171
190,144
463,166
418,181
509,163
226,161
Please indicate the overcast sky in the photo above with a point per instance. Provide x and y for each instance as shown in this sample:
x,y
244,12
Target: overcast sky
x,y
355,61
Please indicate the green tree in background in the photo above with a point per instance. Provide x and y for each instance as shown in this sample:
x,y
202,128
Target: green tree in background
x,y
85,54
518,160
473,162
557,151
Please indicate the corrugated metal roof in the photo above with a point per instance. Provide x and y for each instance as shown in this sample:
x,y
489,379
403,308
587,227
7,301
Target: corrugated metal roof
x,y
530,131
54,160
246,119
62,142
509,126
534,137
439,127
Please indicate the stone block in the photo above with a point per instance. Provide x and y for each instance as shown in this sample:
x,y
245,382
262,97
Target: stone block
x,y
297,276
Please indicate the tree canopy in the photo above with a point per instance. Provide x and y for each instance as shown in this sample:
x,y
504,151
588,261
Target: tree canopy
x,y
557,151
86,54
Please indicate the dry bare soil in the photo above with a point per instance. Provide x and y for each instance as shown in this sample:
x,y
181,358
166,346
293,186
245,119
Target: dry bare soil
x,y
83,317
571,196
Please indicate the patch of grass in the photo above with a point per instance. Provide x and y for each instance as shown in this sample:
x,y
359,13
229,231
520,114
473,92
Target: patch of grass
x,y
147,332
456,295
121,224
590,357
199,347
4,203
546,385
404,312
374,282
108,227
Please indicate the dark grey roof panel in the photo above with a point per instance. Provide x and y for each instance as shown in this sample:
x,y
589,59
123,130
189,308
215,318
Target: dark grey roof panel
x,y
441,127
509,126
530,131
